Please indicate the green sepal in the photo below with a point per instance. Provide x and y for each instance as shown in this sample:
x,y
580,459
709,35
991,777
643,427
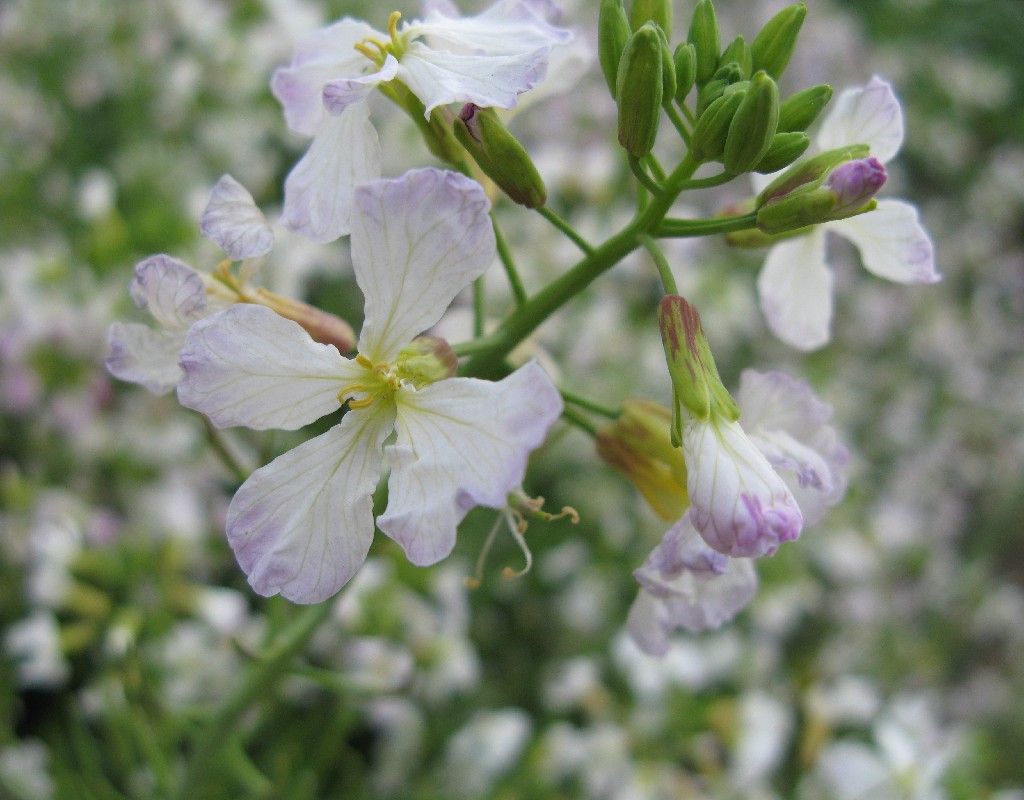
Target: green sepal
x,y
785,149
705,38
712,129
753,125
613,32
799,110
499,155
685,62
809,172
658,11
638,89
774,44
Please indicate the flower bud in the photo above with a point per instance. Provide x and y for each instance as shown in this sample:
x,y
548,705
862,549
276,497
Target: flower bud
x,y
685,61
323,327
500,156
707,142
724,77
705,38
695,379
426,360
639,91
753,125
775,42
613,32
799,110
668,70
785,149
809,172
657,11
854,184
738,52
638,445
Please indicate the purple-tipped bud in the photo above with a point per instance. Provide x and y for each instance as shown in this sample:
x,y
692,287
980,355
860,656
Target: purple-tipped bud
x,y
854,184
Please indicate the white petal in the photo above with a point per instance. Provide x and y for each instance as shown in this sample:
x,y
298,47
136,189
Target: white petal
x,y
233,221
461,443
141,355
892,242
173,292
302,525
644,624
868,115
508,27
438,78
341,93
417,241
249,366
739,504
318,191
795,288
321,56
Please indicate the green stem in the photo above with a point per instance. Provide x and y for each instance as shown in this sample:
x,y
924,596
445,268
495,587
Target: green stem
x,y
488,362
478,307
574,417
514,281
220,447
668,280
637,167
590,405
680,228
256,683
678,122
566,229
707,183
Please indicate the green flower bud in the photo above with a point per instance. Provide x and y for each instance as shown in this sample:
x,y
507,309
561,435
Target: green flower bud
x,y
775,42
668,70
659,11
695,380
499,155
707,142
799,110
810,172
613,32
725,76
639,91
786,148
738,52
685,62
753,126
705,38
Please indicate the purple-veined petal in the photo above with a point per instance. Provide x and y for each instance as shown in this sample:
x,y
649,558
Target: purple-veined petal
x,y
738,503
508,27
139,354
302,525
318,191
892,242
795,289
233,221
437,77
341,93
461,443
173,292
789,425
868,115
321,56
417,241
249,366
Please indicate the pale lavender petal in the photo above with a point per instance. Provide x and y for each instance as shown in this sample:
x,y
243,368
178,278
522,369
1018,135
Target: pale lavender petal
x,y
321,56
795,289
868,115
249,366
855,183
142,355
417,241
508,27
461,443
318,191
302,525
645,625
233,221
893,243
173,292
343,93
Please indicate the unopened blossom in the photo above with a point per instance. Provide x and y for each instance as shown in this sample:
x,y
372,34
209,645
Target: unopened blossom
x,y
177,295
488,59
795,285
302,525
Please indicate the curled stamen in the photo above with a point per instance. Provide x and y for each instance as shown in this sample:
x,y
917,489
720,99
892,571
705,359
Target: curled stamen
x,y
365,402
393,25
349,389
365,47
477,579
517,526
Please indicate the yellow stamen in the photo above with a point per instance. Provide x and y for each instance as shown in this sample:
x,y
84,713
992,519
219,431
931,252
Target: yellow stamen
x,y
363,361
366,402
393,25
349,389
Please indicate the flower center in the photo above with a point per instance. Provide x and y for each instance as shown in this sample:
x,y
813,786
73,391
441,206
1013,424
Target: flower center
x,y
425,360
377,51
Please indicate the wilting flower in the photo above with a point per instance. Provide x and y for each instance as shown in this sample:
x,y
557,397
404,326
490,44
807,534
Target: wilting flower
x,y
303,524
178,296
488,60
795,284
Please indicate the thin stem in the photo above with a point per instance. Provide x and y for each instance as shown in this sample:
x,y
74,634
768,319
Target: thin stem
x,y
566,229
646,181
590,405
478,307
514,281
678,122
220,447
707,183
680,228
654,166
668,280
472,346
574,417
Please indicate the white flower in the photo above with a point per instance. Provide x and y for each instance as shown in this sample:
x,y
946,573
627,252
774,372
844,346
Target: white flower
x,y
302,525
795,284
488,60
686,584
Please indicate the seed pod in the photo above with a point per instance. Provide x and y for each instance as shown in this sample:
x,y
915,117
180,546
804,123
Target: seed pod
x,y
799,110
639,91
786,148
775,42
613,32
705,38
753,126
707,142
685,62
